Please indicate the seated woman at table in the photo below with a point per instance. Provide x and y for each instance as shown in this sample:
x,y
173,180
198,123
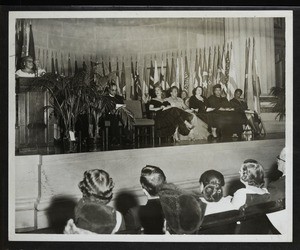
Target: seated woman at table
x,y
211,188
198,103
252,176
247,116
200,131
169,120
223,116
92,214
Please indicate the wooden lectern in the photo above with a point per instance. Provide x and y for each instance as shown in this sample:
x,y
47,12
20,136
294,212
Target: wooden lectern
x,y
34,128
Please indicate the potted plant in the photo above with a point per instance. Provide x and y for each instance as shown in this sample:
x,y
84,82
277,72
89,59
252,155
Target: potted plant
x,y
99,105
65,103
279,102
83,93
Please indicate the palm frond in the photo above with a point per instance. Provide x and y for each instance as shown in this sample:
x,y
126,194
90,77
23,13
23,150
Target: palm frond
x,y
125,116
279,102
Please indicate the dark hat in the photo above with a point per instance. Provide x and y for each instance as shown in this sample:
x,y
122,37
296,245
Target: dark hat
x,y
95,217
183,211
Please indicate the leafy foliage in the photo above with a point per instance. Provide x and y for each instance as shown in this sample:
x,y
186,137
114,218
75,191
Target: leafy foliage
x,y
279,103
126,117
82,93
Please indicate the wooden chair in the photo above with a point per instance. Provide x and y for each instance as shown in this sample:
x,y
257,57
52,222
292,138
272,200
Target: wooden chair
x,y
135,106
151,115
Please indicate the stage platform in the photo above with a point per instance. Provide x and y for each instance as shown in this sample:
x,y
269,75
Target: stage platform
x,y
46,186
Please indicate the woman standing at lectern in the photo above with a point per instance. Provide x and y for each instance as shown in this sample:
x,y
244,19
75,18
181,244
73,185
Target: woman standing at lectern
x,y
27,68
30,68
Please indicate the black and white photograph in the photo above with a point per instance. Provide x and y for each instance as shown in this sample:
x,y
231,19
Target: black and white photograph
x,y
158,126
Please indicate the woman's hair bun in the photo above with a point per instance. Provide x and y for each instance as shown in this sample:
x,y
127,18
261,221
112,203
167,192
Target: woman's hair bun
x,y
213,192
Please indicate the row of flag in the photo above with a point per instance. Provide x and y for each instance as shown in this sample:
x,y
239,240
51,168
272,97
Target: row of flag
x,y
24,41
213,65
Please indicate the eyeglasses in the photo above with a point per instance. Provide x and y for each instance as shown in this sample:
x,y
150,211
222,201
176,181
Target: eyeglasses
x,y
279,159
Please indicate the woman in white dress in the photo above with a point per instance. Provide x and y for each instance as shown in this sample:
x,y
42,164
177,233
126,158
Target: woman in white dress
x,y
200,128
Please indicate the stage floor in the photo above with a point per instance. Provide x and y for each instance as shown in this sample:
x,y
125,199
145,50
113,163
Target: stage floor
x,y
168,142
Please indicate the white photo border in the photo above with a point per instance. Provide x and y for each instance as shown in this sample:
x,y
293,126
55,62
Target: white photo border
x,y
287,14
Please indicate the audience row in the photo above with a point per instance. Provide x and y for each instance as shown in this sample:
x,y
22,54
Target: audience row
x,y
169,209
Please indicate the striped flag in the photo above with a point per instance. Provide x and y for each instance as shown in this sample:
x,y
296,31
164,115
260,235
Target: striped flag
x,y
118,79
167,77
255,81
204,74
156,75
232,85
215,67
177,73
19,42
182,70
162,75
219,60
186,75
222,72
227,67
151,81
173,74
246,83
196,72
145,87
137,83
200,69
132,88
210,75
